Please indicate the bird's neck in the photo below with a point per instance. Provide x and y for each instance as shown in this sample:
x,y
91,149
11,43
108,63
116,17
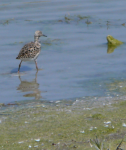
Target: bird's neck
x,y
36,39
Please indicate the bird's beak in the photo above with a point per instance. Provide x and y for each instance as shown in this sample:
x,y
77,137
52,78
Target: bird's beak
x,y
44,35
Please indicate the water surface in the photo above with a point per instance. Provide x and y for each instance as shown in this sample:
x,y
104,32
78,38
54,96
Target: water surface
x,y
74,59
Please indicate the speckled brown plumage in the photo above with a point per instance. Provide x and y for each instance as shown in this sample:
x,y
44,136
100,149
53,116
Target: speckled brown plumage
x,y
31,50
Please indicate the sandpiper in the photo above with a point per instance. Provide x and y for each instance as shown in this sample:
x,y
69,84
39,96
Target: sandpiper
x,y
30,51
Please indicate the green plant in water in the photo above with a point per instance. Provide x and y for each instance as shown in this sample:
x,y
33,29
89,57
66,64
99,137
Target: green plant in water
x,y
88,22
82,17
111,48
67,19
112,41
123,24
7,21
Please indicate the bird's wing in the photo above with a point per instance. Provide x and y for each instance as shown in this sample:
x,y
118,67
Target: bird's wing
x,y
26,50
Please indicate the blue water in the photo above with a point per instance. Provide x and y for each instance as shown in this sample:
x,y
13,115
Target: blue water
x,y
74,58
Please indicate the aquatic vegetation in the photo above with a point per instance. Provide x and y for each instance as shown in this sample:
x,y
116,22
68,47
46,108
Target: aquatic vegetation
x,y
18,42
112,41
60,20
6,22
108,24
75,18
67,18
98,116
88,22
51,41
60,126
111,48
83,17
123,24
118,85
47,42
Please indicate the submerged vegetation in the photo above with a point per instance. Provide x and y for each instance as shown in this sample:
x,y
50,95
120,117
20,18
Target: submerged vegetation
x,y
62,127
111,48
6,22
83,17
89,20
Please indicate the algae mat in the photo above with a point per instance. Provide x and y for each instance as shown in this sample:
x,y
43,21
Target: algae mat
x,y
59,126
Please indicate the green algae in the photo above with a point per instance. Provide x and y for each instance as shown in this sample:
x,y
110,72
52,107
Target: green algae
x,y
97,116
18,42
6,22
118,85
83,17
61,127
112,41
123,24
67,18
111,48
52,41
88,22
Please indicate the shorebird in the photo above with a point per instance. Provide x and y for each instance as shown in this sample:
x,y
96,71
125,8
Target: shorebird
x,y
30,51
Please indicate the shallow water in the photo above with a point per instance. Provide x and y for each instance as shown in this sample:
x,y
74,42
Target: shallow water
x,y
74,61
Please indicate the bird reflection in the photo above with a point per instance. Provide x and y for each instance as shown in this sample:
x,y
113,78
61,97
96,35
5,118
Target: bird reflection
x,y
32,86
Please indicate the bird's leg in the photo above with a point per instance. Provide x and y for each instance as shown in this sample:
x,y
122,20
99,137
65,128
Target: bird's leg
x,y
19,66
36,65
36,76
